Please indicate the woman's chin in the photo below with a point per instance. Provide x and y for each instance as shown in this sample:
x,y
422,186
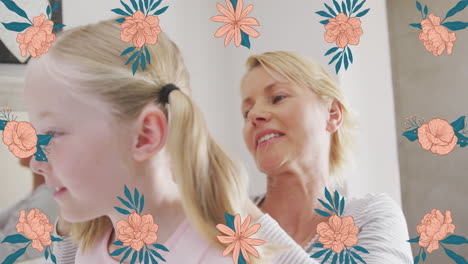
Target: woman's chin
x,y
269,165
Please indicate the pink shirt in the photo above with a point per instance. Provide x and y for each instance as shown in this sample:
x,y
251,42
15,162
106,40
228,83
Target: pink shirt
x,y
179,249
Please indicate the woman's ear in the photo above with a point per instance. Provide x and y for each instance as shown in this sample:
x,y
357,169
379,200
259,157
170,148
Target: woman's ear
x,y
335,116
151,133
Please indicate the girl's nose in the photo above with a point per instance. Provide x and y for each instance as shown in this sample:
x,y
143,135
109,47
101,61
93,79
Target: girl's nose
x,y
39,167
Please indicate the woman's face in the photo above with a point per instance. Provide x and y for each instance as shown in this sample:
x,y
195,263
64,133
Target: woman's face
x,y
84,158
285,126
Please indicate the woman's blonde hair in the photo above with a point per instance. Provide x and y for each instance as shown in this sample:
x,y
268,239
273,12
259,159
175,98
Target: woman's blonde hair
x,y
311,74
210,182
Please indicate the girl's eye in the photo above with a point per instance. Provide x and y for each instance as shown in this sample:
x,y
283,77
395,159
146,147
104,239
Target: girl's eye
x,y
278,98
52,132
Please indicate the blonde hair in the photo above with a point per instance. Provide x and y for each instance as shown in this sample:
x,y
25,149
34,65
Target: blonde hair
x,y
311,74
211,183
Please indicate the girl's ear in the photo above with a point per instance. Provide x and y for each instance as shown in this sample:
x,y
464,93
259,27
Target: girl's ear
x,y
335,116
151,133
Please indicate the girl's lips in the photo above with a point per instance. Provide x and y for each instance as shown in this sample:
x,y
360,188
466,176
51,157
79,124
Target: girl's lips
x,y
60,192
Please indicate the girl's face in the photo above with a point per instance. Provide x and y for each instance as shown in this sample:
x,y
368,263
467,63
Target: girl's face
x,y
284,125
84,158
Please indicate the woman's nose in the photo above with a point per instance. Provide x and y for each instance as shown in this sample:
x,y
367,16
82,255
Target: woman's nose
x,y
39,167
257,116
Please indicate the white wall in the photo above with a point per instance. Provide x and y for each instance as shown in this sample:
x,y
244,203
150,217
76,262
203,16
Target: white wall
x,y
293,26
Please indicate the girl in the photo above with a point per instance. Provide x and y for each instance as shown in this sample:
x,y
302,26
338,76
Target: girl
x,y
113,129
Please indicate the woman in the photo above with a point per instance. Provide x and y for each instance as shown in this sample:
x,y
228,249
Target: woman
x,y
298,129
112,128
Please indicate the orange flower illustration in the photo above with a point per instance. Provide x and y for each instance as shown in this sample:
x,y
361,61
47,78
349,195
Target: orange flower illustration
x,y
436,37
137,231
38,38
239,239
140,29
36,227
236,21
21,138
338,233
437,136
433,228
343,30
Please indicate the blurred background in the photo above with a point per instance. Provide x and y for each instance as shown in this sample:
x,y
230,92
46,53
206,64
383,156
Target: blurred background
x,y
392,78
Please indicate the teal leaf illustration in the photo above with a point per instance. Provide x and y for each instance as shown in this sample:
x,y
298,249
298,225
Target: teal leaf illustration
x,y
425,10
48,10
330,9
359,6
245,39
120,20
136,198
325,205
359,248
56,239
147,55
341,257
335,57
119,251
347,258
335,258
128,61
13,7
127,193
135,65
241,259
229,220
16,239
118,243
357,256
342,205
328,196
57,26
155,5
324,14
142,203
455,240
320,212
459,124
129,10
16,26
337,6
343,7
234,3
413,240
146,5
416,25
418,6
141,6
153,260
320,253
327,256
119,11
134,4
457,258
134,257
338,64
127,204
126,255
143,67
46,254
354,4
412,135
122,211
161,247
457,25
54,259
458,7
424,255
353,261
146,257
160,11
348,5
157,254
3,124
416,259
13,257
140,258
319,245
56,5
324,22
363,13
345,61
462,140
330,51
337,200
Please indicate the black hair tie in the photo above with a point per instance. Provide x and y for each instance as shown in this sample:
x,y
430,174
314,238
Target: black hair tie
x,y
165,91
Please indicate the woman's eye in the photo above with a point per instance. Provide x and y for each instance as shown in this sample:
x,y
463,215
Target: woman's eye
x,y
53,133
278,98
245,114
